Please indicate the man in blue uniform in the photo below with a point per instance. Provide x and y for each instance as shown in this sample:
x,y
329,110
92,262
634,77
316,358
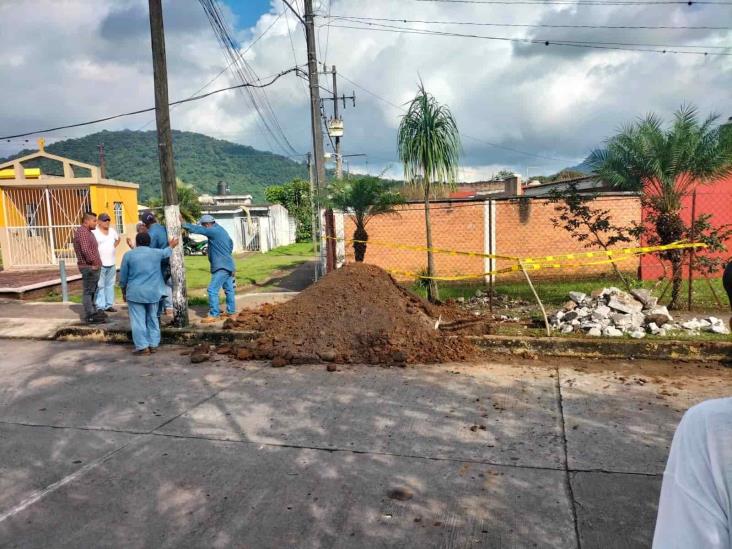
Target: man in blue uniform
x,y
159,241
220,247
141,280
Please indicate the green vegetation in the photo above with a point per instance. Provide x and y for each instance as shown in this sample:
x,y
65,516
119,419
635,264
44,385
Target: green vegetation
x,y
200,160
429,147
190,207
666,164
554,293
295,196
252,269
366,197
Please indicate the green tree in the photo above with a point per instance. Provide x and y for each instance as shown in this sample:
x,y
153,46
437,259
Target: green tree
x,y
429,147
190,207
295,196
365,197
665,164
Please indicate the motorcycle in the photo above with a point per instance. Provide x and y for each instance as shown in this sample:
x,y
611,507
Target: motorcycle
x,y
194,247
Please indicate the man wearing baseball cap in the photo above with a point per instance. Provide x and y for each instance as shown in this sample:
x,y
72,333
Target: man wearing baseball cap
x,y
107,240
220,248
159,241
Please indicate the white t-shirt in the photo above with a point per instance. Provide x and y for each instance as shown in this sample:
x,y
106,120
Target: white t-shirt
x,y
696,497
106,245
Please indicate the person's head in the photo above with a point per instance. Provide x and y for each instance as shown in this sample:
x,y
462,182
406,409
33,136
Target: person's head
x,y
89,220
148,218
103,221
142,239
141,228
207,220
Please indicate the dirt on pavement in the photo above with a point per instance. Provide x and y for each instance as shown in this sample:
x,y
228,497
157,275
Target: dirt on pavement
x,y
355,314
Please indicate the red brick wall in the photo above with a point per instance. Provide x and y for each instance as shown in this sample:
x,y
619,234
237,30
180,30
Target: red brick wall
x,y
523,228
457,226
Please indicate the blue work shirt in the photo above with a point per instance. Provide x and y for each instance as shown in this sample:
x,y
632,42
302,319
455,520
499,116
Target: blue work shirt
x,y
158,236
220,245
141,276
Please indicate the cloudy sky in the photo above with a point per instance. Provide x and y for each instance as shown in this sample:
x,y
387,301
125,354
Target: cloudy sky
x,y
519,106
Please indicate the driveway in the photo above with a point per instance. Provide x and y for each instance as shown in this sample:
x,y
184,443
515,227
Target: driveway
x,y
102,449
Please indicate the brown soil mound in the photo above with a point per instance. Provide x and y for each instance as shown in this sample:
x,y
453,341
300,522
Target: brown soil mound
x,y
355,314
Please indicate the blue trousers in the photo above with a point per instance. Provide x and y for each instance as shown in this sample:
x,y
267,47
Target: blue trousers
x,y
144,323
221,279
105,291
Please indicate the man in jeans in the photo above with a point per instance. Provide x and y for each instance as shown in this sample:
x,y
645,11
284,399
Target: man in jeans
x,y
220,247
89,263
108,240
159,241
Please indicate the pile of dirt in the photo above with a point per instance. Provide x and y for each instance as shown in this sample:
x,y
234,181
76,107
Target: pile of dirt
x,y
356,314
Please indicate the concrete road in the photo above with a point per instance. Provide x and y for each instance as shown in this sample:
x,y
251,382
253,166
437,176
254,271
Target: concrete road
x,y
102,449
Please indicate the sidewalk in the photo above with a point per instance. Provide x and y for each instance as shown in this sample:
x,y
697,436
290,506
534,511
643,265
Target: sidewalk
x,y
38,320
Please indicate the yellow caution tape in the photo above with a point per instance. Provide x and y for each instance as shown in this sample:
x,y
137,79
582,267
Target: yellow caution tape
x,y
615,254
420,248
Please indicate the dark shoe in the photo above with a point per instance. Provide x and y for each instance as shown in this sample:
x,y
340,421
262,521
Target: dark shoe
x,y
153,349
96,320
110,310
100,313
145,351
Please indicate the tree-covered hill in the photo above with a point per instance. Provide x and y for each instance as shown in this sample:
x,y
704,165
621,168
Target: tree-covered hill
x,y
200,160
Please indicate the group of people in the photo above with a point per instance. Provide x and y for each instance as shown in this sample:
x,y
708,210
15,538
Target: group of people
x,y
145,278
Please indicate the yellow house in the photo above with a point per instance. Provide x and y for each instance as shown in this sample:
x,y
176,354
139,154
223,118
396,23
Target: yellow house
x,y
39,212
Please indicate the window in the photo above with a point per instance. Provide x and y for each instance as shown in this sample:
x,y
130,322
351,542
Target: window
x,y
119,222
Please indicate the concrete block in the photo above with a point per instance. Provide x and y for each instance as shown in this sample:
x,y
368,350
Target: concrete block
x,y
577,297
625,304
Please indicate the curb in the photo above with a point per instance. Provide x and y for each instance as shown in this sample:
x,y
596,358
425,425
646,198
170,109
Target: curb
x,y
510,345
179,336
584,348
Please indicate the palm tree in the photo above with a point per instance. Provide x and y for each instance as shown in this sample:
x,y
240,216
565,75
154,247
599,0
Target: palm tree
x,y
665,165
190,207
366,197
429,147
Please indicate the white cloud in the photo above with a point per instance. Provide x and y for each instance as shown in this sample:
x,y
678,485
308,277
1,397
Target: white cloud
x,y
556,102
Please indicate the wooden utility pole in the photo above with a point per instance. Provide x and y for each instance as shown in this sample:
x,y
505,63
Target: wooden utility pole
x,y
317,129
102,162
313,216
167,167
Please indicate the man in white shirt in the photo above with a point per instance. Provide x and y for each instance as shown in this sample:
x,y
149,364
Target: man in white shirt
x,y
107,239
696,496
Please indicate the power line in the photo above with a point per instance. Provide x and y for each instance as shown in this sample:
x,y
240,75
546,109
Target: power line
x,y
544,42
548,26
149,109
495,145
586,2
226,68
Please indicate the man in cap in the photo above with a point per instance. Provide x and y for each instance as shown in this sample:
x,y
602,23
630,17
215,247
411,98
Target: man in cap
x,y
220,248
159,241
107,241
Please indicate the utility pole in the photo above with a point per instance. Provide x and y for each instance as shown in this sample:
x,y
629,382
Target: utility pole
x,y
102,162
316,127
167,167
313,217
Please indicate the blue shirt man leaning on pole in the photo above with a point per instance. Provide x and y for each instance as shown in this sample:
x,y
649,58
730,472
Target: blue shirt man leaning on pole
x,y
141,280
220,247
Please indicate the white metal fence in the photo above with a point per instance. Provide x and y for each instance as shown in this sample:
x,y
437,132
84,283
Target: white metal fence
x,y
40,223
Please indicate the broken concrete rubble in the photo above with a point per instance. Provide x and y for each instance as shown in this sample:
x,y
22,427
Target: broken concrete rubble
x,y
611,312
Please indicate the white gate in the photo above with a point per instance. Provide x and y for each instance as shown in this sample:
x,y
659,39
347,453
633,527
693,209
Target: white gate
x,y
40,223
250,231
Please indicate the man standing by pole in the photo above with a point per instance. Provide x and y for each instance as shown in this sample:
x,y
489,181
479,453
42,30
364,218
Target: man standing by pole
x,y
167,168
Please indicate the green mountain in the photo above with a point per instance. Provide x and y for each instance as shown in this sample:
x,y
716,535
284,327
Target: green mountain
x,y
200,160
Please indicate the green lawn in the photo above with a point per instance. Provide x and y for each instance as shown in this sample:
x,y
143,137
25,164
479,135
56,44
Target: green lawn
x,y
251,269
